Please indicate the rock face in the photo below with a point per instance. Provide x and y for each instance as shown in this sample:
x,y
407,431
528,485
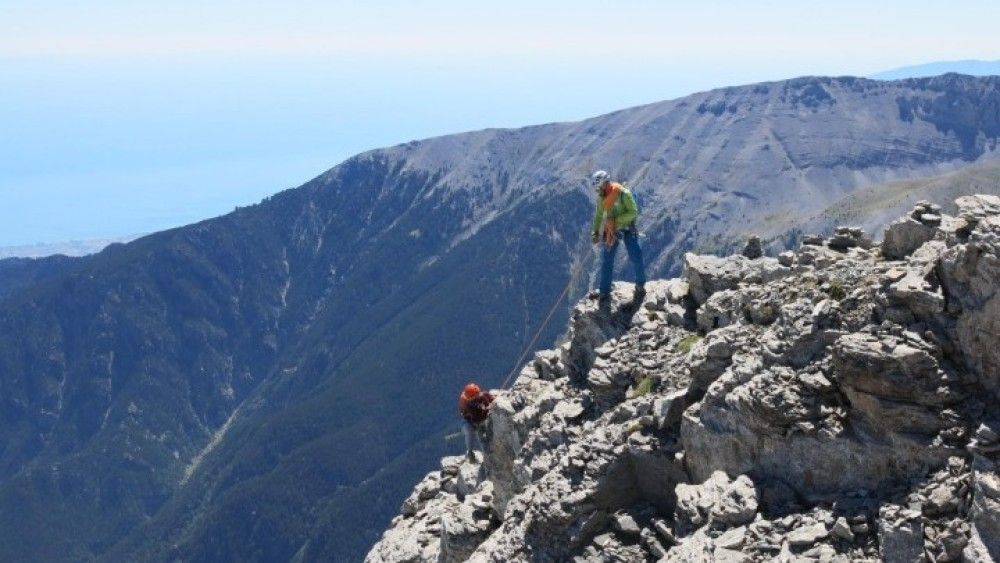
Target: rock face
x,y
969,274
910,233
833,406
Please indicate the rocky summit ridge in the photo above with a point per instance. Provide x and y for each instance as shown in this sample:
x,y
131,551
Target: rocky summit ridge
x,y
838,402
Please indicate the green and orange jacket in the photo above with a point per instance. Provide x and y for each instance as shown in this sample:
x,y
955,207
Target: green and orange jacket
x,y
617,210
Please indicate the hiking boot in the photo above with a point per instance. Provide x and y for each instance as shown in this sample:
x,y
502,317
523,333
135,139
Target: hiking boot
x,y
471,457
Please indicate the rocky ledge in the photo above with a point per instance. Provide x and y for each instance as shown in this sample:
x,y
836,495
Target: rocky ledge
x,y
838,403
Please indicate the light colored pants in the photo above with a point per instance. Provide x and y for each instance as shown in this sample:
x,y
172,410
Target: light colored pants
x,y
472,437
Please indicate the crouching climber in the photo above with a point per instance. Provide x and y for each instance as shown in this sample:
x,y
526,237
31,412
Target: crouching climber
x,y
474,406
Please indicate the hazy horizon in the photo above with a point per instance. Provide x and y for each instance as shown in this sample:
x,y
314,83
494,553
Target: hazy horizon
x,y
128,119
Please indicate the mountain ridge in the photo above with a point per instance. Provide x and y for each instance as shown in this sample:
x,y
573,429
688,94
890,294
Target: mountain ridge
x,y
833,404
408,268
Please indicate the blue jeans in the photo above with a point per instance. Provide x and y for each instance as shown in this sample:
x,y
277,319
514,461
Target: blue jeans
x,y
631,238
471,437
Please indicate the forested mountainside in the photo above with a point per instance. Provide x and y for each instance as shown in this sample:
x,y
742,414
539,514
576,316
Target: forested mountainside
x,y
17,273
271,383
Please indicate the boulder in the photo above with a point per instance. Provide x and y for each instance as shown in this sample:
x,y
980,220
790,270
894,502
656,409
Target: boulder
x,y
848,237
668,410
468,479
807,535
985,513
900,535
720,310
812,240
654,545
677,290
718,502
892,368
624,524
708,274
976,208
732,538
904,236
842,529
753,249
548,364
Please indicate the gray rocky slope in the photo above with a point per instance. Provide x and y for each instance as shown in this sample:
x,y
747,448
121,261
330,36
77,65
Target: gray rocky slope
x,y
709,169
837,403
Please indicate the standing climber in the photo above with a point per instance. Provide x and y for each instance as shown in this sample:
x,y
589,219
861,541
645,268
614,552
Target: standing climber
x,y
474,406
614,220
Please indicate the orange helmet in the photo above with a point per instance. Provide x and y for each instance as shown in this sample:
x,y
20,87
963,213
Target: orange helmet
x,y
471,390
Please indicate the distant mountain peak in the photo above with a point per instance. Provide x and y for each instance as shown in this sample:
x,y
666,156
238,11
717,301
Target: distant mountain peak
x,y
971,67
66,248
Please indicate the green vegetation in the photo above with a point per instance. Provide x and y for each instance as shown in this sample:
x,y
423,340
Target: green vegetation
x,y
769,311
685,345
643,386
837,290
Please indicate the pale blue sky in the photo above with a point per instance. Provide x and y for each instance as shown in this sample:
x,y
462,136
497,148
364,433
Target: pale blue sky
x,y
128,116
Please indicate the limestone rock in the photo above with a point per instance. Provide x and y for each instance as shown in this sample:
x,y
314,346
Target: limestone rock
x,y
905,236
707,274
985,513
848,237
807,535
625,524
842,529
852,399
900,535
969,274
716,502
463,528
732,539
668,410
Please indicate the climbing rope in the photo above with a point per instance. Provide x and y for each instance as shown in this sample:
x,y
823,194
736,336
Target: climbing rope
x,y
531,344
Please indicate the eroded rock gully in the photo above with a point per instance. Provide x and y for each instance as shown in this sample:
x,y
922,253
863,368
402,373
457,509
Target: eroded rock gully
x,y
838,403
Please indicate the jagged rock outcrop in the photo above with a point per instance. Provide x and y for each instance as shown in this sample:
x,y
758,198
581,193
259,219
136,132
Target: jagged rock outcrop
x,y
911,232
836,404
